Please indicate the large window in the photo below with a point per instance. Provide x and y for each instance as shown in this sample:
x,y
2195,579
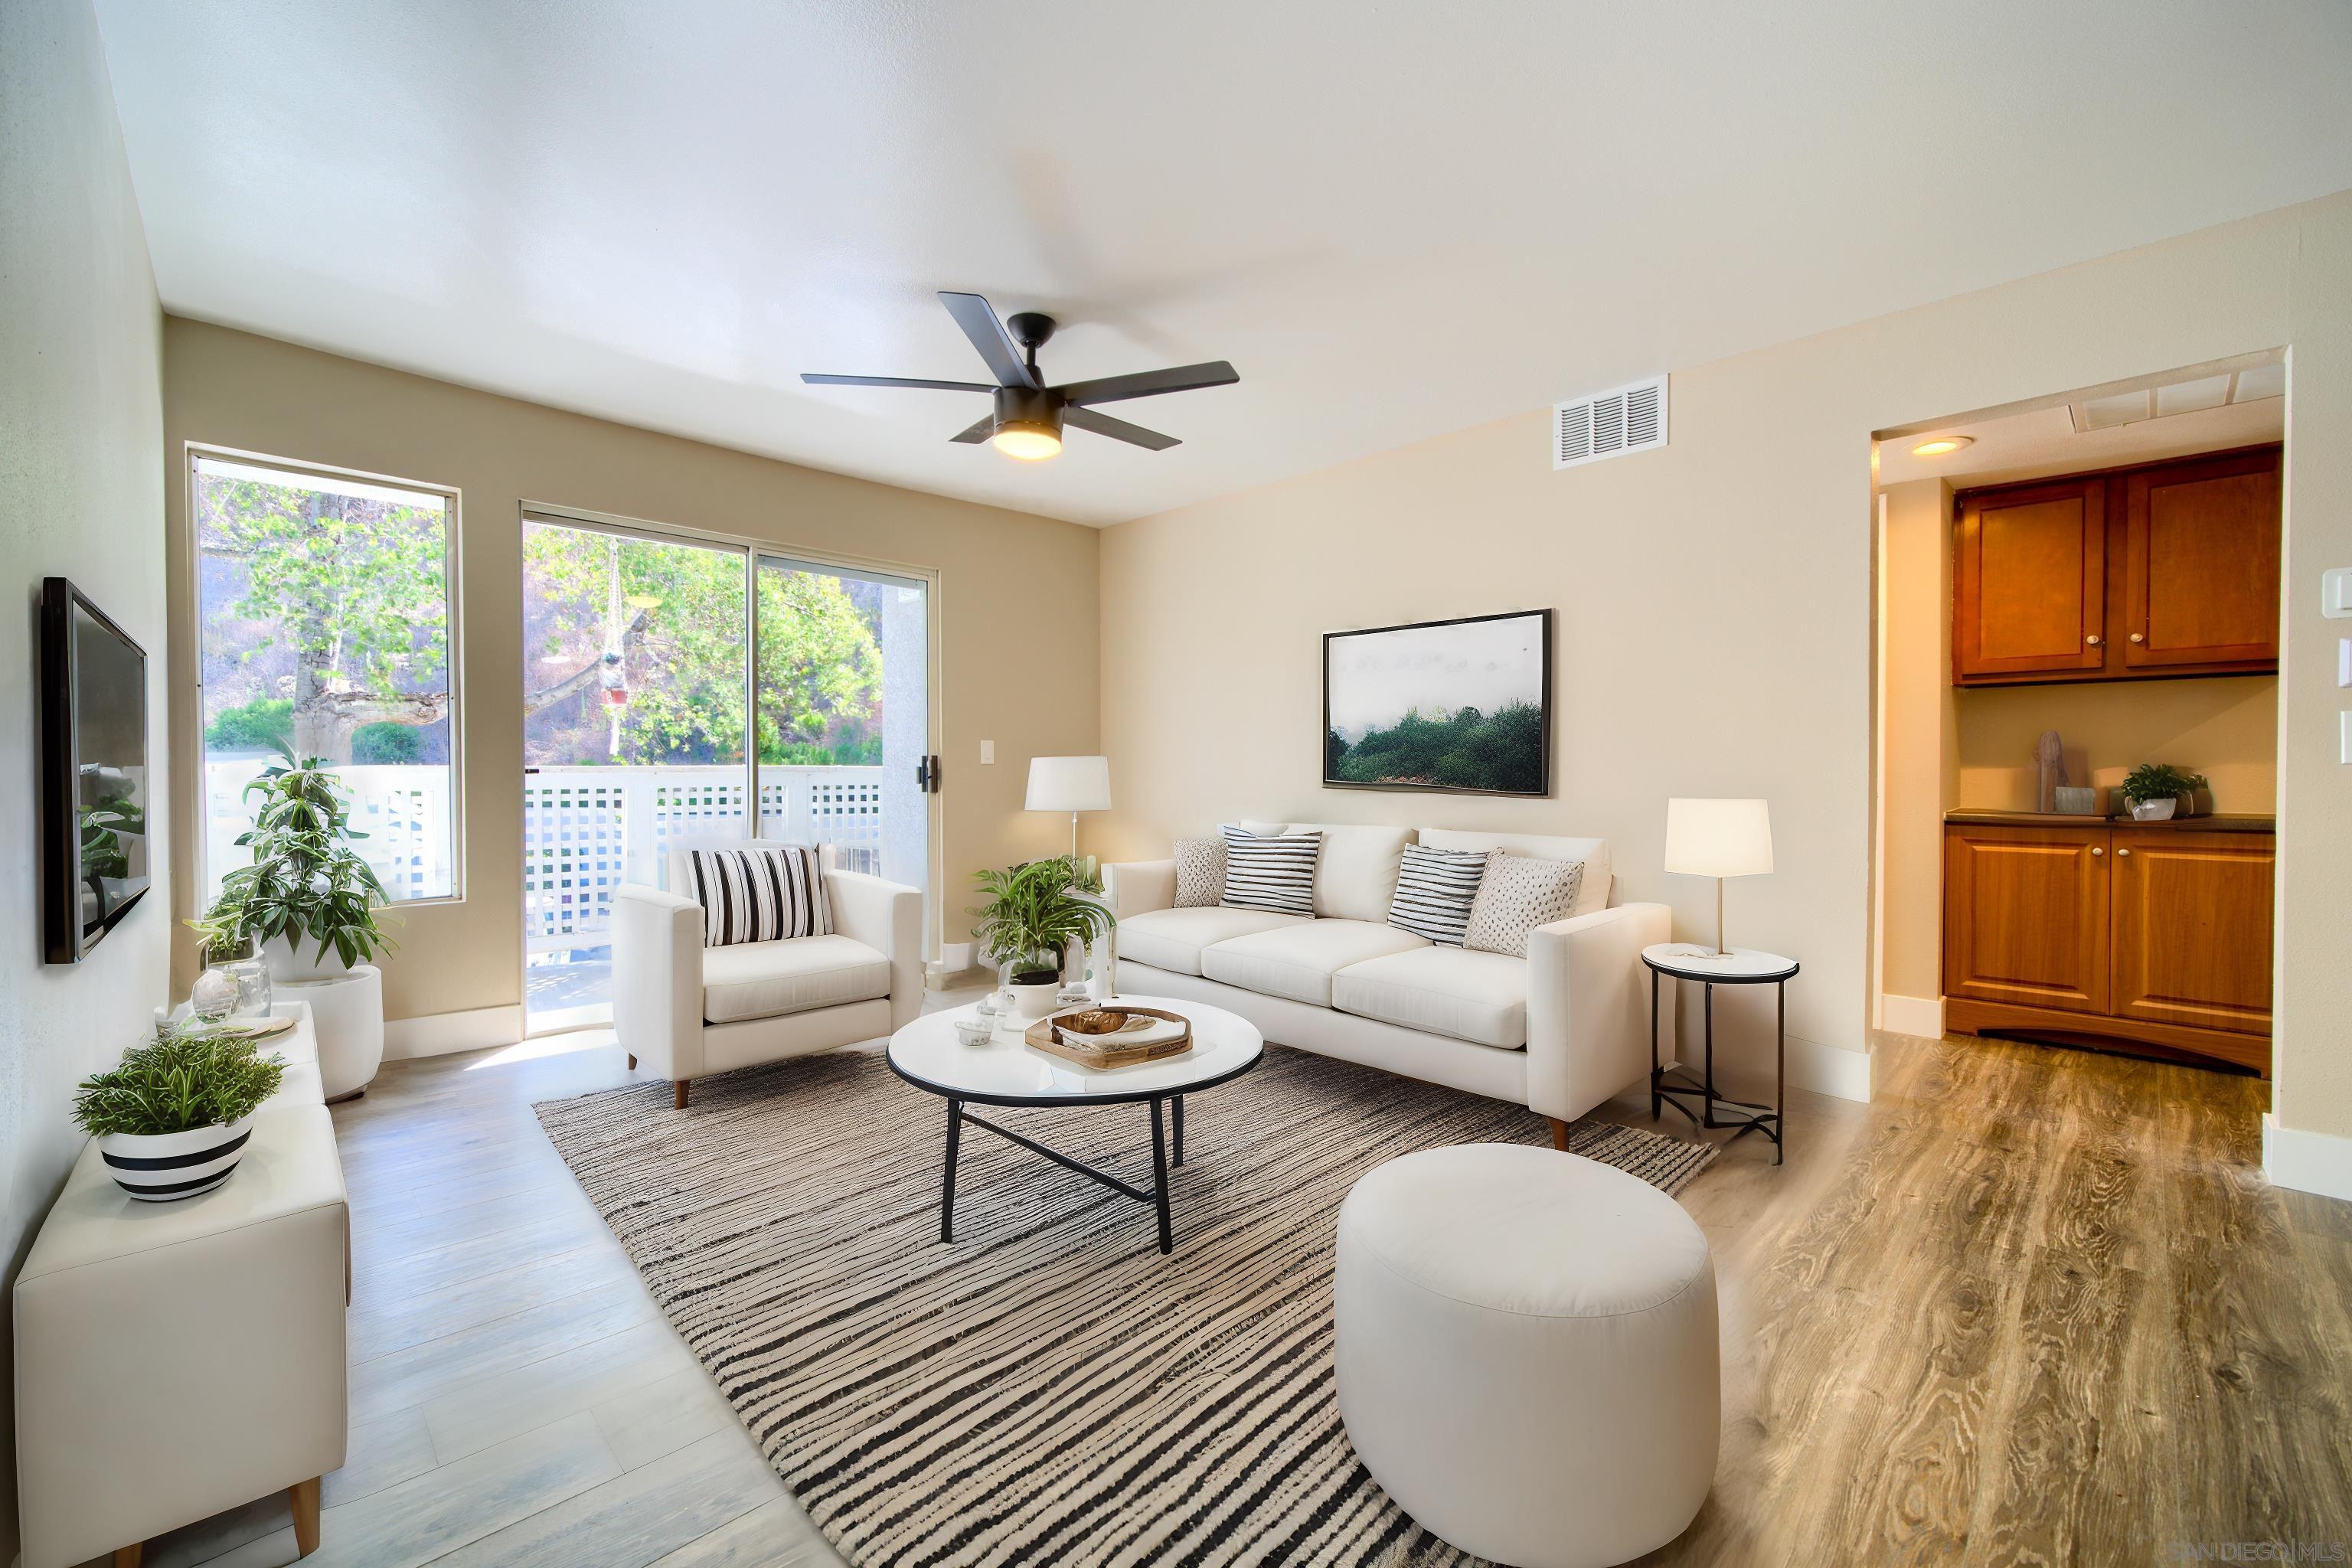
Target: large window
x,y
325,611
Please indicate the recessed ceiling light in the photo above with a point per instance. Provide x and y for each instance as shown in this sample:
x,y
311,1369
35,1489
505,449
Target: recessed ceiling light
x,y
1939,445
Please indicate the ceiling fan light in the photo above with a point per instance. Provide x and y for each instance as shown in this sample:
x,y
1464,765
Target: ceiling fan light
x,y
1027,440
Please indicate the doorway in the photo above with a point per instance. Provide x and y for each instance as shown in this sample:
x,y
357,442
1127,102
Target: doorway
x,y
677,688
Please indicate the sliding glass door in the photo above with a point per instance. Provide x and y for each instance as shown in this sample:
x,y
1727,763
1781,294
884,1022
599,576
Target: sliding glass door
x,y
669,684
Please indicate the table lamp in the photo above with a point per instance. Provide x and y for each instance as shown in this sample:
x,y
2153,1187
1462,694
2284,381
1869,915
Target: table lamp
x,y
1069,783
1719,839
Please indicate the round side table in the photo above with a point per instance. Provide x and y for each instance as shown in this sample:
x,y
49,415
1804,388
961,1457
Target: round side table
x,y
1673,1085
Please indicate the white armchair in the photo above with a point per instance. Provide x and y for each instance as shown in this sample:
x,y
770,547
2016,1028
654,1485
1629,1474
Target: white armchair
x,y
684,1010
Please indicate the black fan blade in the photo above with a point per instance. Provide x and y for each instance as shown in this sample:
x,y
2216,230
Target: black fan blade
x,y
1150,383
1118,429
978,433
978,319
894,381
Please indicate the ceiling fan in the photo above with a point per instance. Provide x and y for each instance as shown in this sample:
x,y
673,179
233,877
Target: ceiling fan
x,y
1029,416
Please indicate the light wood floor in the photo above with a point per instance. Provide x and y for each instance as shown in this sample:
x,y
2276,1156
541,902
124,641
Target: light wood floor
x,y
2029,1306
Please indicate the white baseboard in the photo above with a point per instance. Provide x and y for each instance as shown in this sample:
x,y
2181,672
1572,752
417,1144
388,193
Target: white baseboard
x,y
955,957
2308,1161
1921,1016
1827,1069
440,1034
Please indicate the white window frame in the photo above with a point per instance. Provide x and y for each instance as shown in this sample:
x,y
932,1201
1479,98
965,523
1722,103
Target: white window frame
x,y
453,500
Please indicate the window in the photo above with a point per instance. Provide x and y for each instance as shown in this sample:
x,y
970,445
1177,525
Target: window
x,y
323,602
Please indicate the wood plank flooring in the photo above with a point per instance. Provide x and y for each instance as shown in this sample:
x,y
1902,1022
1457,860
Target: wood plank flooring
x,y
2029,1306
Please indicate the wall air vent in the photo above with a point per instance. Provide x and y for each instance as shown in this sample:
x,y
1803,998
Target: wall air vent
x,y
1610,424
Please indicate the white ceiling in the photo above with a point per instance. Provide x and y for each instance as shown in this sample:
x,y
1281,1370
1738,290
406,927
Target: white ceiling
x,y
2044,441
1395,220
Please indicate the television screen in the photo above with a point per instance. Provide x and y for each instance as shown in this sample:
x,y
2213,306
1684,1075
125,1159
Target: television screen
x,y
93,771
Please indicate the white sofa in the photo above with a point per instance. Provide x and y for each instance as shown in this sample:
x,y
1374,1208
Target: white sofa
x,y
1559,1031
684,1010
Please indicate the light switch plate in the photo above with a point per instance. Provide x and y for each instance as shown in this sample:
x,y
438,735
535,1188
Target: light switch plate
x,y
2343,661
988,751
2336,593
2344,739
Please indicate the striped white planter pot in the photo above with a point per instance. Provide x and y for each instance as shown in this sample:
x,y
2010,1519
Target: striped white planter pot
x,y
162,1167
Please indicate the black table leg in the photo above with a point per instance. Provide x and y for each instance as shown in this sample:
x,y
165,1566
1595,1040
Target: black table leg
x,y
947,1187
1176,1107
1710,1055
1160,1180
1653,1045
1781,1077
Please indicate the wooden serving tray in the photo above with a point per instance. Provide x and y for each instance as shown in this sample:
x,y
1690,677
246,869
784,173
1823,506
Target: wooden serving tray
x,y
1109,1054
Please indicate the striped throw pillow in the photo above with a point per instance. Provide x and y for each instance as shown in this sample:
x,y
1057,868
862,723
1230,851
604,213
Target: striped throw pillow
x,y
1276,873
758,894
1434,891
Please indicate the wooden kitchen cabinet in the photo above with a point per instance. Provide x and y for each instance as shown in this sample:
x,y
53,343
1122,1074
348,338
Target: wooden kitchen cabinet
x,y
2029,581
2163,569
2086,931
2201,564
2025,916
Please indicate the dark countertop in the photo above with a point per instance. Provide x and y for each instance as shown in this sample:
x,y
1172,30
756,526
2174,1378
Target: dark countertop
x,y
2215,824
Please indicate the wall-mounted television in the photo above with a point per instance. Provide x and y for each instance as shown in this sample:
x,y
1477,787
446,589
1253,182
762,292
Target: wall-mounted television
x,y
94,801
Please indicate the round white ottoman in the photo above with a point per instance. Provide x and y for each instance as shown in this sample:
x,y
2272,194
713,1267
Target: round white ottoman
x,y
1526,1352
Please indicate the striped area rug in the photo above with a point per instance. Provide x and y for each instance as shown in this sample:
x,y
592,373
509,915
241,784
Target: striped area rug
x,y
1048,1388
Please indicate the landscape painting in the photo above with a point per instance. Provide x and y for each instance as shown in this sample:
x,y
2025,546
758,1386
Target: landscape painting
x,y
1459,705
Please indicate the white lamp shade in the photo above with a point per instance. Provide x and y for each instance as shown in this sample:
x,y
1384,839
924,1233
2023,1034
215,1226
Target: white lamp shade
x,y
1069,783
1718,837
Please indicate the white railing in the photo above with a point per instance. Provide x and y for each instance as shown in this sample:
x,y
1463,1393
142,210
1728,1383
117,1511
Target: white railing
x,y
585,830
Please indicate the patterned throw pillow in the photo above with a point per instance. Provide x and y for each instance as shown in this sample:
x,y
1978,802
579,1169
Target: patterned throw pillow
x,y
1276,873
1435,888
1199,872
1516,895
758,894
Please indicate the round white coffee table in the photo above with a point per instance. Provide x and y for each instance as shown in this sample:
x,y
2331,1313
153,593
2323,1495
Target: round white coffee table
x,y
1007,1070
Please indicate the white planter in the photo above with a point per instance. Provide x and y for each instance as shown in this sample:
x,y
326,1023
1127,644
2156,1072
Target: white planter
x,y
165,1167
2154,810
347,1015
290,961
1034,1002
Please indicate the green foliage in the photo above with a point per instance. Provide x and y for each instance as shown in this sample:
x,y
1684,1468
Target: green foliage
x,y
1469,750
304,879
266,721
2159,781
193,1076
819,664
353,587
1035,911
386,743
102,852
220,934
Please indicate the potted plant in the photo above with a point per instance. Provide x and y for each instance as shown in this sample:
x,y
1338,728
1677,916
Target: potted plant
x,y
1032,914
2155,790
171,1118
305,881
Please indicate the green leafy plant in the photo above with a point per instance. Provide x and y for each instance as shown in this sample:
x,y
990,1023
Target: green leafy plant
x,y
387,743
102,827
305,881
220,934
264,722
2159,781
1035,912
193,1076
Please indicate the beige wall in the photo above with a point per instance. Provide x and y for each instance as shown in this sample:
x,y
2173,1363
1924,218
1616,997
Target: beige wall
x,y
1025,679
1716,602
82,495
2225,728
1919,741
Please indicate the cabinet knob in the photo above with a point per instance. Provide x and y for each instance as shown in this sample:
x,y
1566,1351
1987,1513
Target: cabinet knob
x,y
2122,851
2094,639
2138,637
2096,851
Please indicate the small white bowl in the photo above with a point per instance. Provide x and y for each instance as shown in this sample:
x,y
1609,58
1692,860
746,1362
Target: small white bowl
x,y
974,1031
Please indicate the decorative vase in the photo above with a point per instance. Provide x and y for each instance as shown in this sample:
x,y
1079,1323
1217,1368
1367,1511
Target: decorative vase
x,y
1034,1001
251,976
214,996
2154,810
299,960
165,1167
